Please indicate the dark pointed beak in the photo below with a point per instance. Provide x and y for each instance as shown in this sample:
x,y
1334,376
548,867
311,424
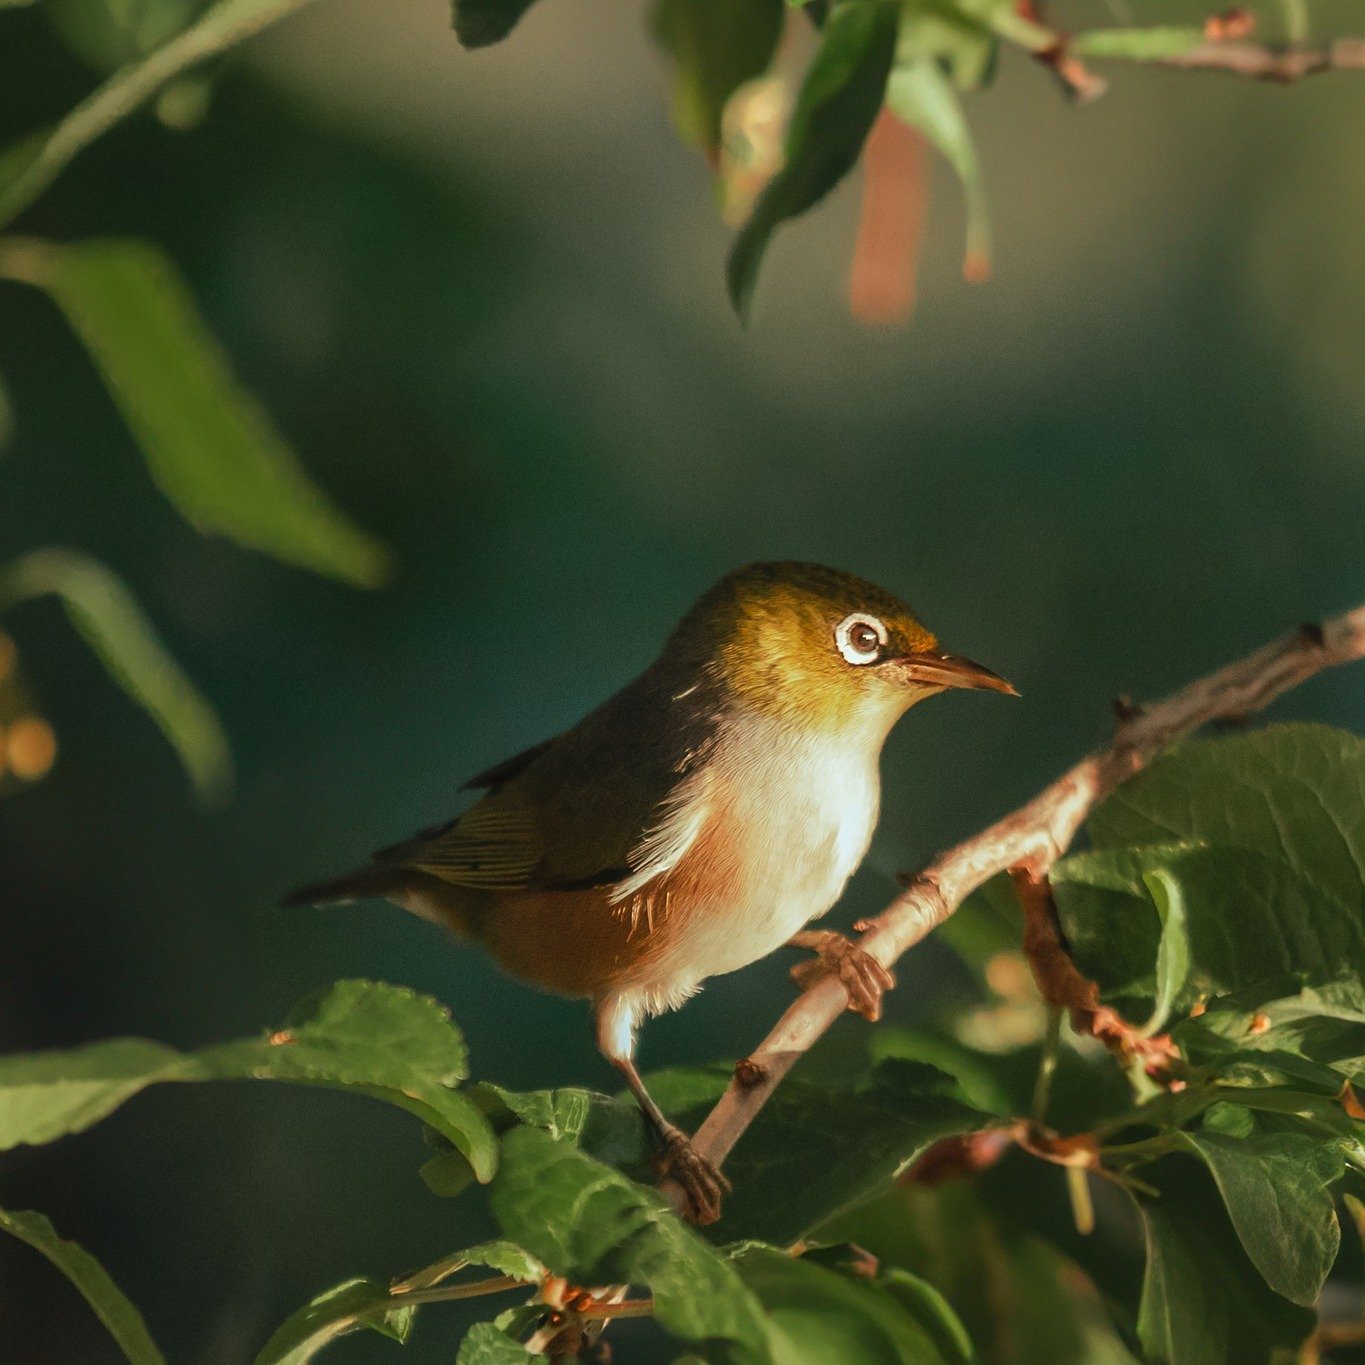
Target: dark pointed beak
x,y
951,670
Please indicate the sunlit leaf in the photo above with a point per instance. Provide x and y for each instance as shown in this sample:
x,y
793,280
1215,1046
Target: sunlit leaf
x,y
715,45
346,1308
594,1225
209,447
485,1344
111,622
30,166
919,94
1173,951
362,1036
835,110
123,1321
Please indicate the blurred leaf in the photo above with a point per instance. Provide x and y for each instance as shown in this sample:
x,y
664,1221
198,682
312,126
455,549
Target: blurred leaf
x,y
921,95
1019,1300
1136,44
31,165
349,1307
835,110
486,1344
594,1225
6,415
963,47
109,33
716,45
374,1039
364,1303
122,1320
818,1314
1202,1298
1277,1190
110,621
447,1174
1173,951
479,23
210,449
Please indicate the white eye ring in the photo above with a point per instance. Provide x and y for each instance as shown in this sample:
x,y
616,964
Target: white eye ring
x,y
851,636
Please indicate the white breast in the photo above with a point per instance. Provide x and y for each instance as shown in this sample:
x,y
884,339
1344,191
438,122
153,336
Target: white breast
x,y
808,806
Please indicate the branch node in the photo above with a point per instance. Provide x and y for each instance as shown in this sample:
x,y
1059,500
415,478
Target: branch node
x,y
749,1073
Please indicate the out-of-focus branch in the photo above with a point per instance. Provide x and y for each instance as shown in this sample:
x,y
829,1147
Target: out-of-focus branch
x,y
1264,63
1031,838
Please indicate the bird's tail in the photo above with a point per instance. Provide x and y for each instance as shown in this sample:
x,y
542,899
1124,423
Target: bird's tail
x,y
354,886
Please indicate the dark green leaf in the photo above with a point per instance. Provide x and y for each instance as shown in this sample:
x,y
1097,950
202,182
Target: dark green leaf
x,y
349,1307
210,449
835,110
123,1321
716,45
818,1314
1278,1191
485,1344
362,1036
1202,1298
114,626
480,23
1293,793
593,1225
30,166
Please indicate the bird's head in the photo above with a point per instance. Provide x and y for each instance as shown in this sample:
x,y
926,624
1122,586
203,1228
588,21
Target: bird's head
x,y
819,647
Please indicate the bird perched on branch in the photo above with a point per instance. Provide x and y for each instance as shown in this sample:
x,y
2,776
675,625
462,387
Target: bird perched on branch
x,y
693,823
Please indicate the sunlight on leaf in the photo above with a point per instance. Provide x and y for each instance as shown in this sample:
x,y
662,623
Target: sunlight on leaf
x,y
122,1320
209,447
115,627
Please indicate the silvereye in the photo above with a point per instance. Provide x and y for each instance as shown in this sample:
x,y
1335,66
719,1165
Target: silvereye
x,y
693,823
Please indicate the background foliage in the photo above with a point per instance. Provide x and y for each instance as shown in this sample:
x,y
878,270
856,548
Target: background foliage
x,y
480,297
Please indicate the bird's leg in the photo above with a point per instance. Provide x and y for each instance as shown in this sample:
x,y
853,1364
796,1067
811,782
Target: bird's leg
x,y
865,979
677,1158
700,1179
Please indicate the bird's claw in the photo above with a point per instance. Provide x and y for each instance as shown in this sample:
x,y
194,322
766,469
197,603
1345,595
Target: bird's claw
x,y
701,1180
864,978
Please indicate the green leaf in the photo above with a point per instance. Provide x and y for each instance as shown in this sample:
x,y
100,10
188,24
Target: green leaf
x,y
716,45
31,165
110,621
365,1303
594,1225
1173,951
815,1150
1294,793
1136,44
361,1036
1202,1298
837,105
349,1307
818,1314
486,1344
209,448
123,1321
1277,1188
480,23
920,94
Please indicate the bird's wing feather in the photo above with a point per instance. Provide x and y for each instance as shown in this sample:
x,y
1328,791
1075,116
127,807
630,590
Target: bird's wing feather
x,y
612,802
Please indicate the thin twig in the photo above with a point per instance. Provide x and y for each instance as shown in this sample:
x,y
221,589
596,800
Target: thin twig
x,y
1263,63
1034,836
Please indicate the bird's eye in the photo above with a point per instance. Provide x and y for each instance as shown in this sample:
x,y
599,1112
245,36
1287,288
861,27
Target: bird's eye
x,y
860,638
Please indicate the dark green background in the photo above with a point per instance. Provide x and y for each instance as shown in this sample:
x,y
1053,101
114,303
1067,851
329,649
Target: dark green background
x,y
482,294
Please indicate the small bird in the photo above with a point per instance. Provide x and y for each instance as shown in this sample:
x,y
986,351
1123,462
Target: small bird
x,y
693,823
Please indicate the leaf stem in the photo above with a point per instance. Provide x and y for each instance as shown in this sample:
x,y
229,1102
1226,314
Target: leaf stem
x,y
446,1293
1047,1065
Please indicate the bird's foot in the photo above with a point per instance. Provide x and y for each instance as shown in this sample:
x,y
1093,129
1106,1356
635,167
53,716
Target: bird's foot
x,y
865,979
701,1180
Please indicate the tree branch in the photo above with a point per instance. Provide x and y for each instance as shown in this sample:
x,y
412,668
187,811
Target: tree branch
x,y
1033,838
1263,63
